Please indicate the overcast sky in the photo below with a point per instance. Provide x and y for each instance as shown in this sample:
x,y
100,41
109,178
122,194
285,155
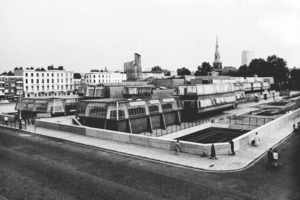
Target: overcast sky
x,y
91,34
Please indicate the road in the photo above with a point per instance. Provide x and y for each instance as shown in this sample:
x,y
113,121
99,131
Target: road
x,y
33,167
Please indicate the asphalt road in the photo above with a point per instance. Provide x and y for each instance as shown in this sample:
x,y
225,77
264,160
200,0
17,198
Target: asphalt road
x,y
34,167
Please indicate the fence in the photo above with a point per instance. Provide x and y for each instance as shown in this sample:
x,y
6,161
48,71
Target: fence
x,y
174,128
250,121
13,123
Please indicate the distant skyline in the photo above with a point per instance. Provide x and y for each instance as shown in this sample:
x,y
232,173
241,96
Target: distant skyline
x,y
90,34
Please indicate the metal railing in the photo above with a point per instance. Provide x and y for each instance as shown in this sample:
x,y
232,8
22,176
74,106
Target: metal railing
x,y
174,128
14,124
251,121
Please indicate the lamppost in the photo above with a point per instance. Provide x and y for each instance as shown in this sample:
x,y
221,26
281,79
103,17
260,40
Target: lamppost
x,y
20,113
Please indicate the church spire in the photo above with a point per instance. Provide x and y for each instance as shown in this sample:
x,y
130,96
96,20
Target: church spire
x,y
217,54
217,64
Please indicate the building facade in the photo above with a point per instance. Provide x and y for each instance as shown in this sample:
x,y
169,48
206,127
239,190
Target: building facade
x,y
11,87
247,56
94,78
47,83
133,69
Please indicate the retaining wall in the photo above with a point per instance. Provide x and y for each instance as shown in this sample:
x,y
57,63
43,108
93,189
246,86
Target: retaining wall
x,y
240,142
244,141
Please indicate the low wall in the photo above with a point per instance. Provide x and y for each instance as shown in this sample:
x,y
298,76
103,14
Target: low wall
x,y
244,141
240,142
61,127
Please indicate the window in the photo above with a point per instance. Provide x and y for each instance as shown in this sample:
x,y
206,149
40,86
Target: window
x,y
37,74
26,81
42,74
57,80
153,109
167,106
31,74
26,74
114,112
52,75
37,80
31,80
98,112
136,111
47,80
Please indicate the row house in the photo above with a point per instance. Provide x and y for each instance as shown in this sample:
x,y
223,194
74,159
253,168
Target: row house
x,y
11,87
47,83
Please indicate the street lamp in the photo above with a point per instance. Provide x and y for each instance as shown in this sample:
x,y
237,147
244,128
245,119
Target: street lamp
x,y
20,113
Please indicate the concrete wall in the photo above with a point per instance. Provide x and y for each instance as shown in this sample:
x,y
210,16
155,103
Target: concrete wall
x,y
61,127
240,142
244,141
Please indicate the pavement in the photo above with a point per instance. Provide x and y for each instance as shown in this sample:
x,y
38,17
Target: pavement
x,y
224,163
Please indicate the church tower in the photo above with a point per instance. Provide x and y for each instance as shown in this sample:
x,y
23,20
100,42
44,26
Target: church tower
x,y
217,64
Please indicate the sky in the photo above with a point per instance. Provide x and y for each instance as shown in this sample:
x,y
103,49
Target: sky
x,y
90,34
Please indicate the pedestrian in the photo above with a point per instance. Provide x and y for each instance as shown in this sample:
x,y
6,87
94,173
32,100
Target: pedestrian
x,y
270,158
177,147
255,140
276,161
232,147
6,120
213,152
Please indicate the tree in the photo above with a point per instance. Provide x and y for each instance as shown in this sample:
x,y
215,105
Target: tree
x,y
183,71
156,69
204,69
77,76
258,67
166,72
243,71
10,73
295,78
278,69
231,73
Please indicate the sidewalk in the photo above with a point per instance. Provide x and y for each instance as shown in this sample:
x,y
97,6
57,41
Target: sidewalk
x,y
224,163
